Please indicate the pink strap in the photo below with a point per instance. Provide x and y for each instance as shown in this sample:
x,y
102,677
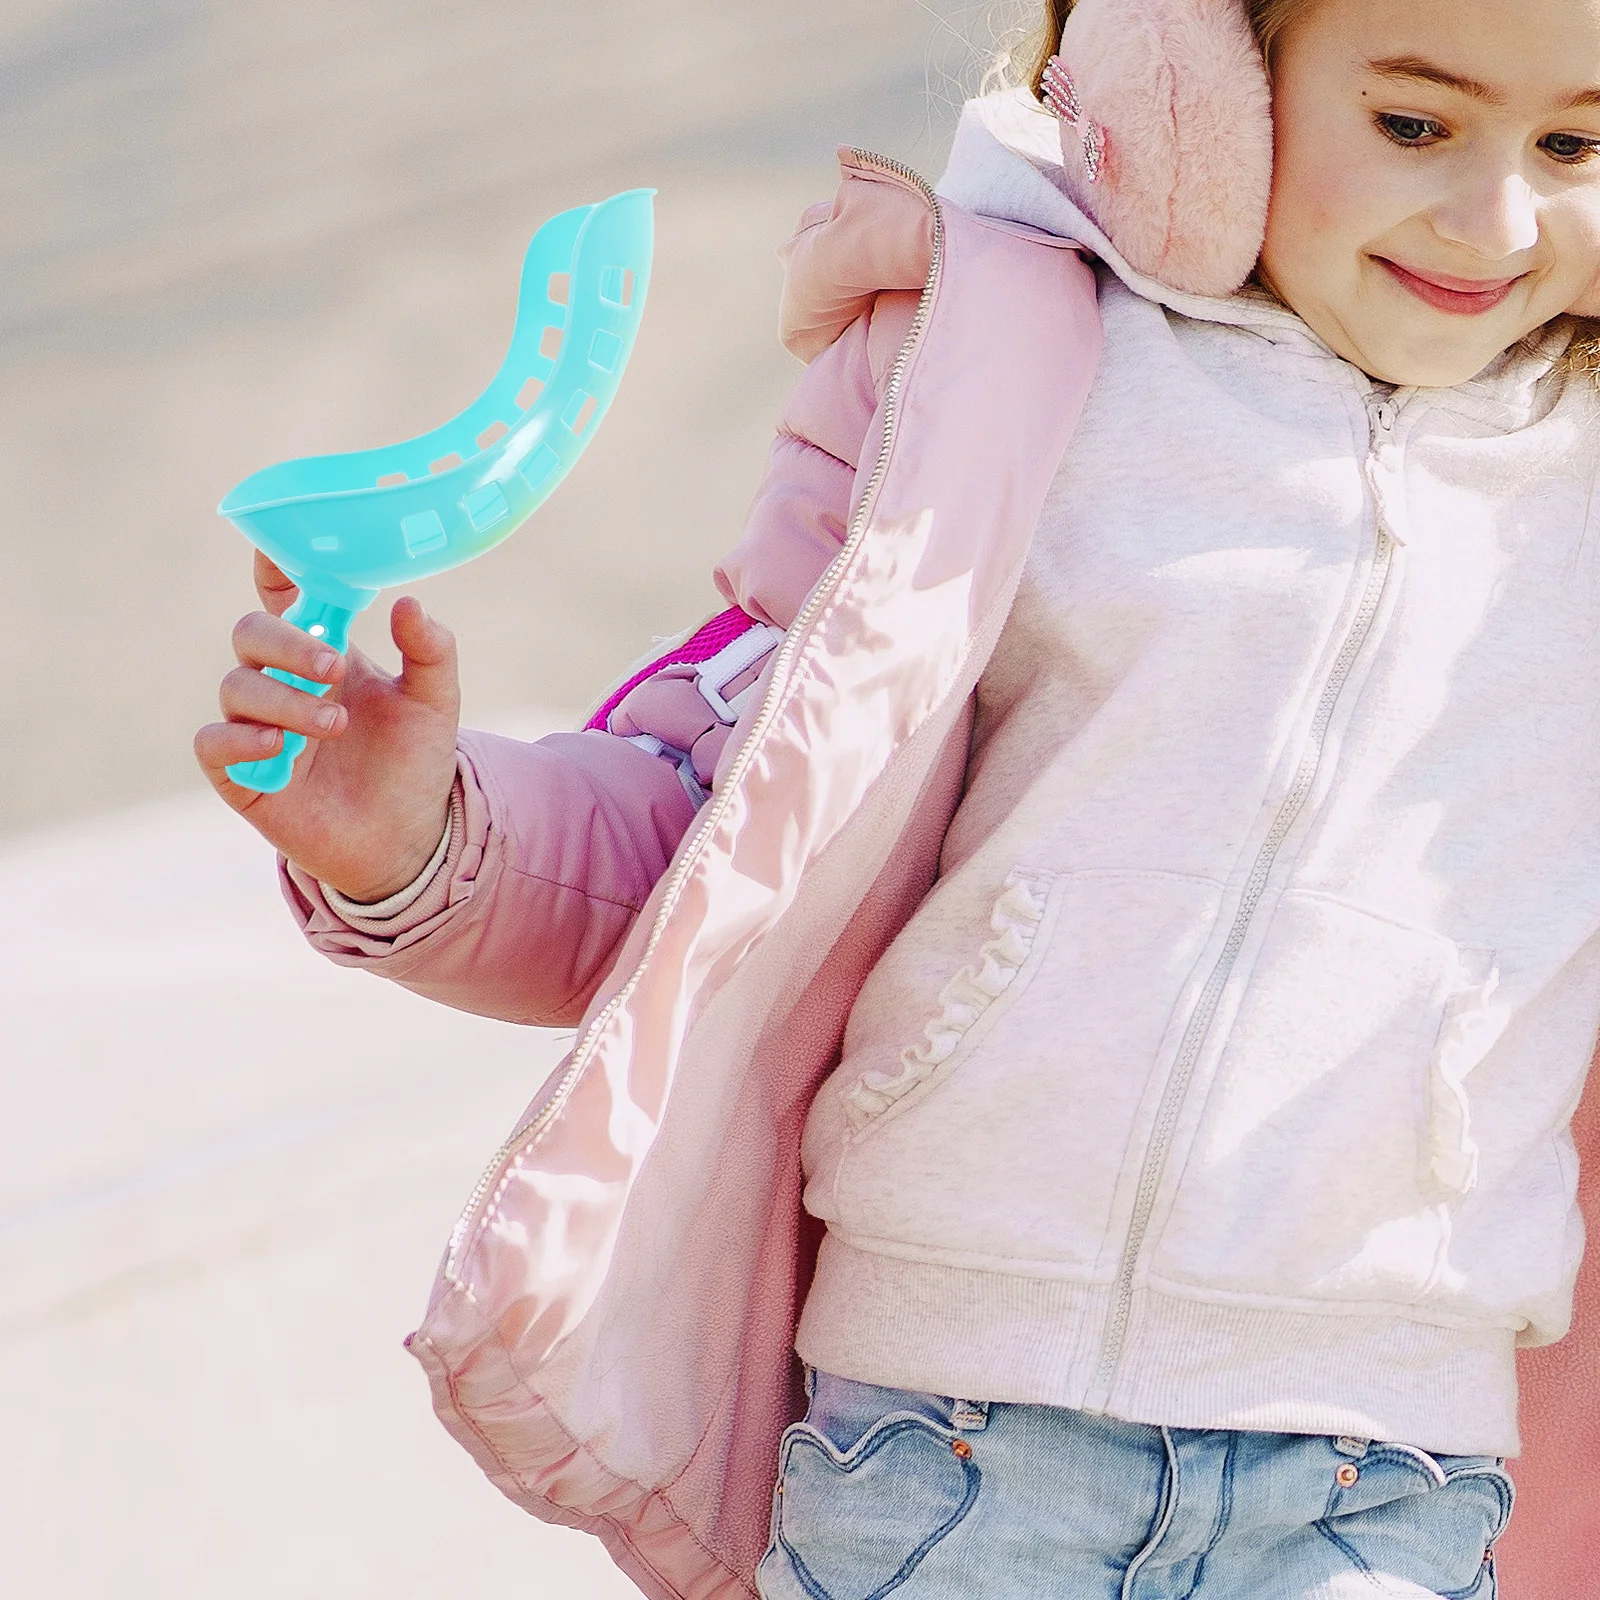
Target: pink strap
x,y
716,635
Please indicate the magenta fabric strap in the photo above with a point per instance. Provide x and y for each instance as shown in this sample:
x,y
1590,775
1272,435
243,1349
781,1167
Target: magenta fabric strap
x,y
715,635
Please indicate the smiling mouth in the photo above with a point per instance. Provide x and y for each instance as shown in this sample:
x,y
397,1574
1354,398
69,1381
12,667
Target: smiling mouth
x,y
1465,297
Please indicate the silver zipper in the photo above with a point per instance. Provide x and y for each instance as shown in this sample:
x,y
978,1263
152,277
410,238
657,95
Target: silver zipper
x,y
530,1131
1382,419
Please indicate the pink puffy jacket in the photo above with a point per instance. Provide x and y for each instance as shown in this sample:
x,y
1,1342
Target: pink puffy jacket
x,y
610,1334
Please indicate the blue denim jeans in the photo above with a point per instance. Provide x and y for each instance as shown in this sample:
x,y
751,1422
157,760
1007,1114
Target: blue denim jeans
x,y
885,1492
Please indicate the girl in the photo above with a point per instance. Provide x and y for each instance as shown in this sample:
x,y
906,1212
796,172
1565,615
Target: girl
x,y
1139,817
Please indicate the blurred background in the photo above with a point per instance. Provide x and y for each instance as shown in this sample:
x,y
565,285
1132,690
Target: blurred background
x,y
232,234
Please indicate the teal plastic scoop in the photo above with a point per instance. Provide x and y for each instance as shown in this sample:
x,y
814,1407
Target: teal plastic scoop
x,y
344,527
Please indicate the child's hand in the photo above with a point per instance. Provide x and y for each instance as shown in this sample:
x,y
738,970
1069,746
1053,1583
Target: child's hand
x,y
370,794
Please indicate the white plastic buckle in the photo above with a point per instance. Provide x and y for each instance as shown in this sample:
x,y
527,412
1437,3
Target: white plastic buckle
x,y
713,674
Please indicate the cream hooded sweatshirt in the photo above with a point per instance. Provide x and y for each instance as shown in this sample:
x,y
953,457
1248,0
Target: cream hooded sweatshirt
x,y
1223,1079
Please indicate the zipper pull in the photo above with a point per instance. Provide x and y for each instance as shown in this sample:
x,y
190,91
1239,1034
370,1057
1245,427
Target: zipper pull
x,y
1384,419
1383,469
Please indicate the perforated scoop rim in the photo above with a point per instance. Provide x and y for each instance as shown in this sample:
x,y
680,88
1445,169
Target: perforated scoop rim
x,y
528,314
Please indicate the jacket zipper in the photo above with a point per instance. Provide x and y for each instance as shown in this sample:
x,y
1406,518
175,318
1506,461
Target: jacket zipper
x,y
531,1130
1381,419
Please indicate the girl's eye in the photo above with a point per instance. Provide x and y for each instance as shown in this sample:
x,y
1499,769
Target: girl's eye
x,y
1411,132
1572,148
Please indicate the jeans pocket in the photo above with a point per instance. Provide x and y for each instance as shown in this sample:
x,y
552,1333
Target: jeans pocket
x,y
1489,1475
855,1524
1428,1520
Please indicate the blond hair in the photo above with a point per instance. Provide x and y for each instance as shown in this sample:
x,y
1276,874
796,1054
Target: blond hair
x,y
1031,51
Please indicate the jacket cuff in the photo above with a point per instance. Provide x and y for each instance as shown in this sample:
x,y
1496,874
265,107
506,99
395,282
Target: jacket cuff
x,y
425,896
348,931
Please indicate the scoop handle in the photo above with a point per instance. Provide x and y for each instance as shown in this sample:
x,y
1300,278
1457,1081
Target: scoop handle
x,y
330,624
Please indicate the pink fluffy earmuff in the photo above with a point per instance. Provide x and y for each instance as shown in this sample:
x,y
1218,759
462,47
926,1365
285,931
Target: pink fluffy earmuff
x,y
1166,135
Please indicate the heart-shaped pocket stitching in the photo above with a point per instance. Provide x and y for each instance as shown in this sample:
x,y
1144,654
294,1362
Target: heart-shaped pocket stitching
x,y
856,1524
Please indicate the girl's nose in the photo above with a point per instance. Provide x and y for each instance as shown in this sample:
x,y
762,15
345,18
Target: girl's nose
x,y
1494,218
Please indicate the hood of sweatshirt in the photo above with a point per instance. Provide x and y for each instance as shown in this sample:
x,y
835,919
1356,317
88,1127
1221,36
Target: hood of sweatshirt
x,y
1006,164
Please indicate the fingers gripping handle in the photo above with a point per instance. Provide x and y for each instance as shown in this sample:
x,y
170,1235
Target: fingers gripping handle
x,y
330,624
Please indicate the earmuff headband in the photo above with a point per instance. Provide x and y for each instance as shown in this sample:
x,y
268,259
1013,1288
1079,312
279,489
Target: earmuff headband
x,y
1166,135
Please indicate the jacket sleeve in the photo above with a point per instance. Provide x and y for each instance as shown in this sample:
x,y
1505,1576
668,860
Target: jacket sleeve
x,y
561,842
801,512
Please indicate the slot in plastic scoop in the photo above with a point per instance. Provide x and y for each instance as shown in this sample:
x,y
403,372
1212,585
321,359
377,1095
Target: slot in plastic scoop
x,y
345,526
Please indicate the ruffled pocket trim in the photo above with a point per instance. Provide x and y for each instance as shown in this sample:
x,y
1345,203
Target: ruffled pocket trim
x,y
1015,923
1470,1027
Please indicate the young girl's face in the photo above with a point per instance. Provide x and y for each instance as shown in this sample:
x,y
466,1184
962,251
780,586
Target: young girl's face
x,y
1436,195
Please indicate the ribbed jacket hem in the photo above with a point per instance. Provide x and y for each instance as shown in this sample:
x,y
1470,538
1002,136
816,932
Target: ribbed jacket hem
x,y
1186,1363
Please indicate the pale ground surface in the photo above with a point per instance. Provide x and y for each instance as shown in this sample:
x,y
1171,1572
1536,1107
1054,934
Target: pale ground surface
x,y
227,1169
230,234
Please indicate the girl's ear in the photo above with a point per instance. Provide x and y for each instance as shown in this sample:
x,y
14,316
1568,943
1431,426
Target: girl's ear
x,y
1166,135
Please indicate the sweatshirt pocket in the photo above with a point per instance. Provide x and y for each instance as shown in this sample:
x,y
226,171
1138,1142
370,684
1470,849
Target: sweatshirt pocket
x,y
970,1004
1337,1131
999,1134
